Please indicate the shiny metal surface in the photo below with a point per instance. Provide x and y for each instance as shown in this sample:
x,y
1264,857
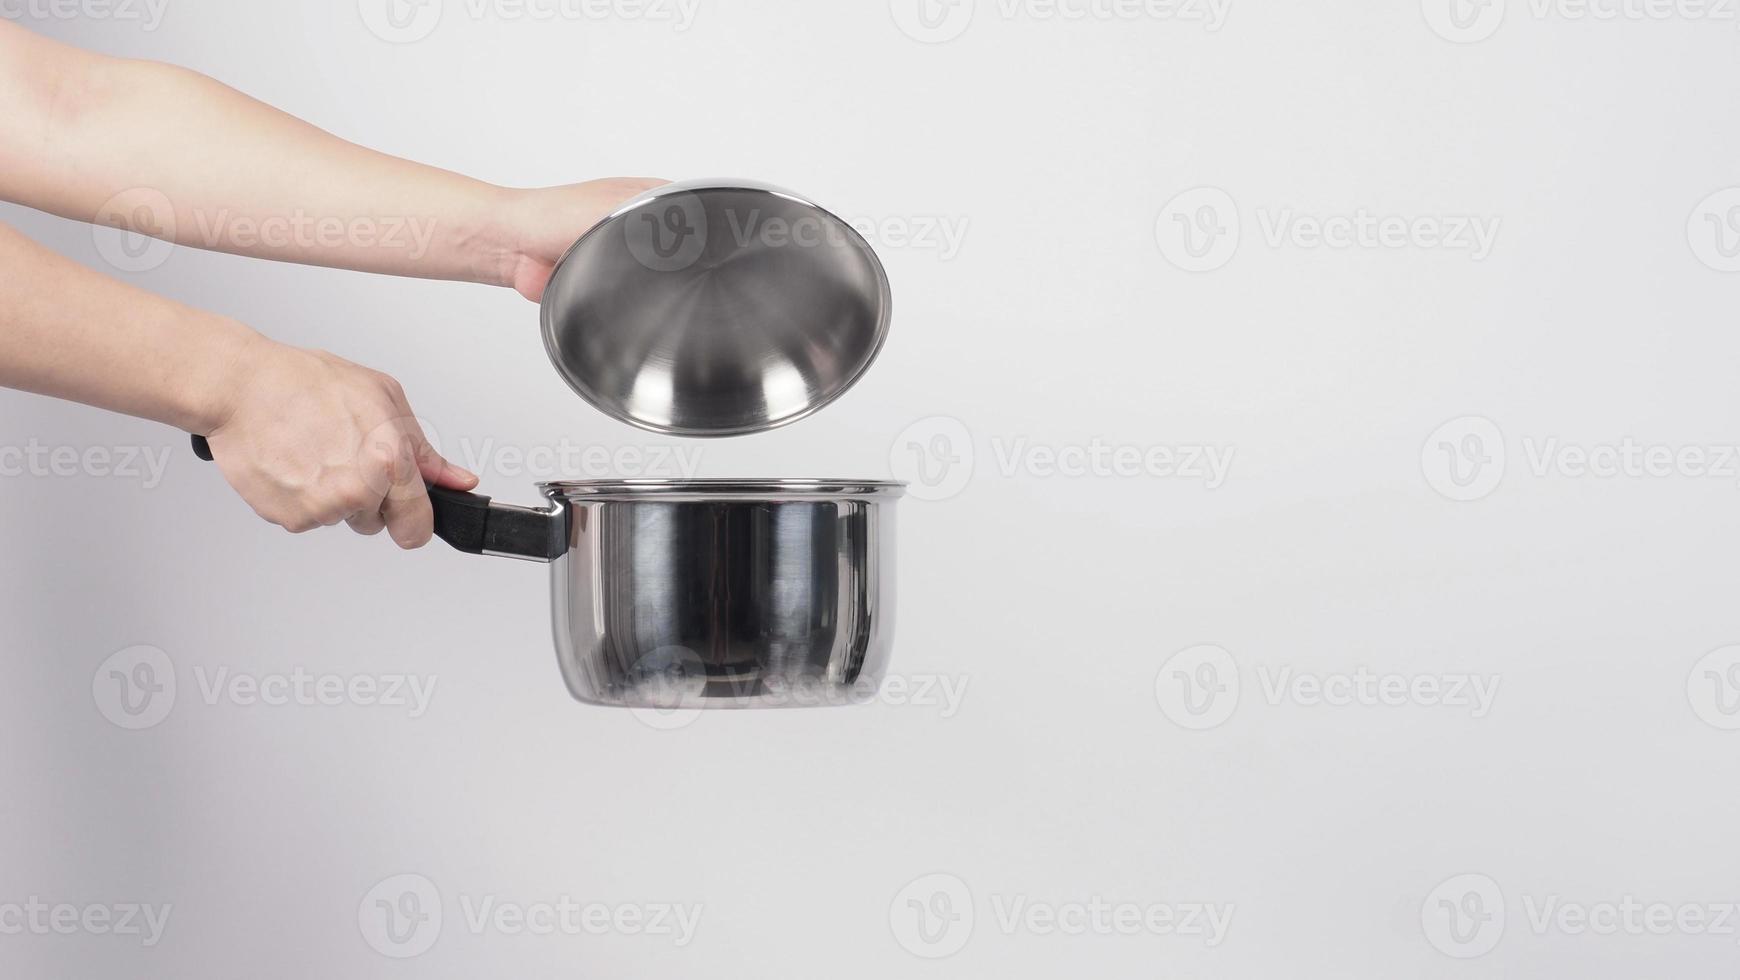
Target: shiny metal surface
x,y
712,308
725,593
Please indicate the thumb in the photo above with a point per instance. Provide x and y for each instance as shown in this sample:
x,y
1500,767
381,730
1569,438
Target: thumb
x,y
532,278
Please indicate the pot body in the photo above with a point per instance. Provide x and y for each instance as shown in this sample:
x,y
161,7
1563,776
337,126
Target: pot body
x,y
724,594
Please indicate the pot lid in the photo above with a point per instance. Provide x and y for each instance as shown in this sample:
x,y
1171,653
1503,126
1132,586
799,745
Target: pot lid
x,y
716,308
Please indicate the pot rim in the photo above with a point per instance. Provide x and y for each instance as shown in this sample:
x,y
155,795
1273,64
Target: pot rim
x,y
727,488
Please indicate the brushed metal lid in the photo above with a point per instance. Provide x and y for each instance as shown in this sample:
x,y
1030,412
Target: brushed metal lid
x,y
716,308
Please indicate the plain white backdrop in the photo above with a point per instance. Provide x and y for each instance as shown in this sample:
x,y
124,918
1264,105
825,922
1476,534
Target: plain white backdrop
x,y
1320,560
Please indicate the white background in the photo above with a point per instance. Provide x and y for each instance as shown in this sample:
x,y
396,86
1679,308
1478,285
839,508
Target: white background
x,y
1069,771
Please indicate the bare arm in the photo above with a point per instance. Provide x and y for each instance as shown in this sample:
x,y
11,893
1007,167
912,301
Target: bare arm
x,y
69,332
306,438
168,152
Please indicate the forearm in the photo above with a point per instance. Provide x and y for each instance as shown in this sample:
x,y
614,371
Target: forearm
x,y
71,333
231,173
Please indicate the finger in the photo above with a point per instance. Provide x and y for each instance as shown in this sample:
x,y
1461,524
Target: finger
x,y
532,277
434,467
444,474
368,523
410,519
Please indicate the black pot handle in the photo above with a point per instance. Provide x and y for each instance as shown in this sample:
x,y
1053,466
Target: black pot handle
x,y
474,524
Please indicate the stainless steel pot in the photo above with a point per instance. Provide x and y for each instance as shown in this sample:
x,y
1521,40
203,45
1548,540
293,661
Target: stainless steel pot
x,y
709,308
705,593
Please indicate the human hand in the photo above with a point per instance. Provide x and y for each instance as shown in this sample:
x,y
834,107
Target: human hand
x,y
310,440
542,224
